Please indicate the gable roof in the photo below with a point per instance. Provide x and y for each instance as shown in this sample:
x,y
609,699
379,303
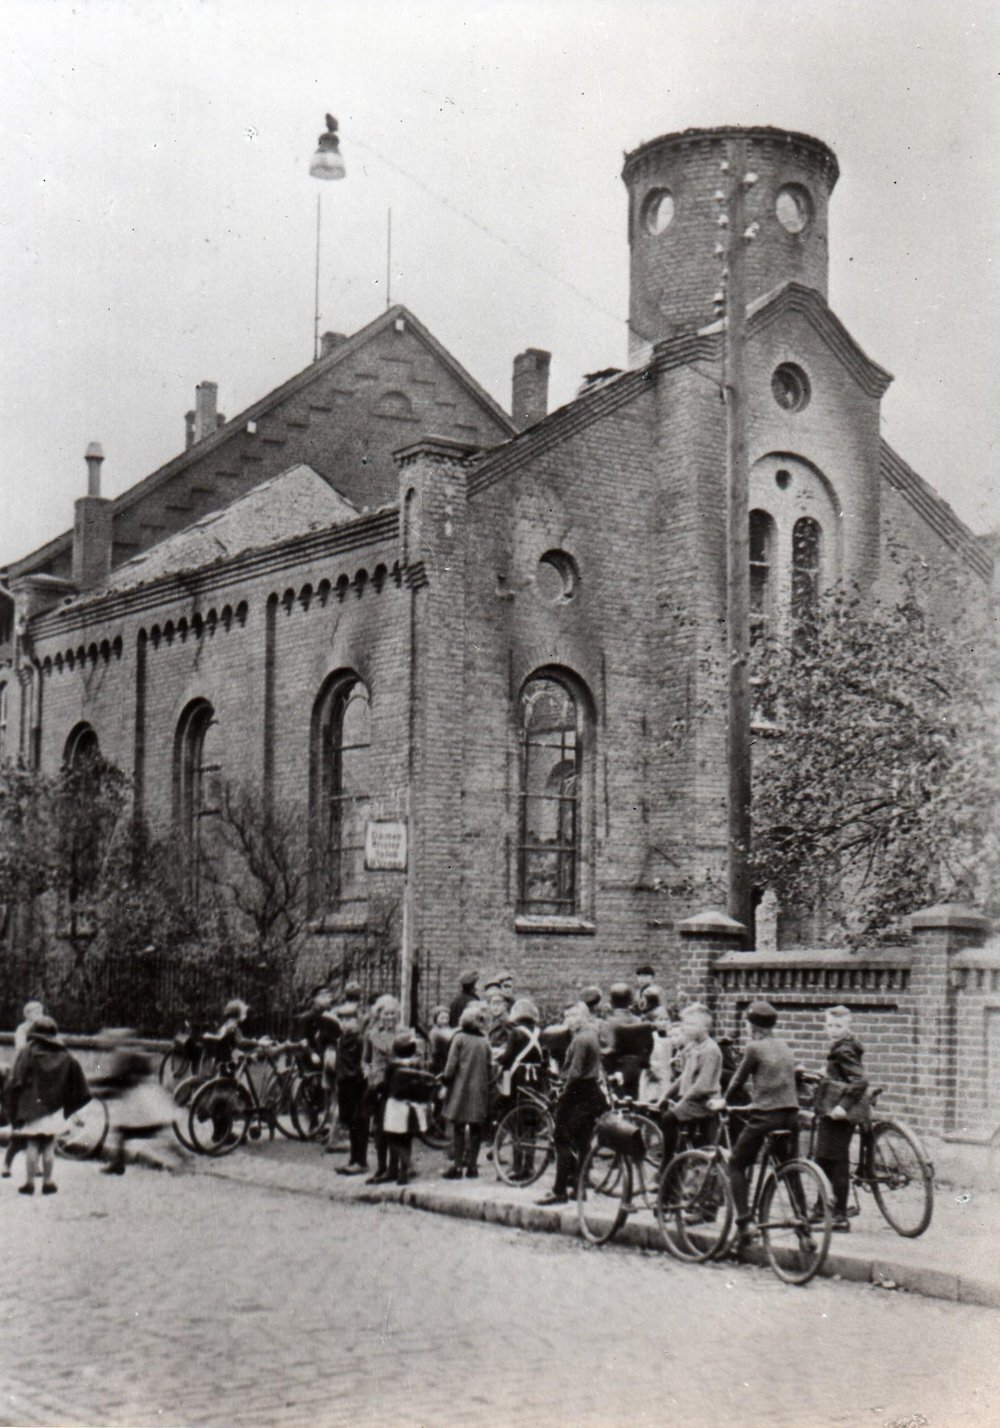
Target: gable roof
x,y
301,380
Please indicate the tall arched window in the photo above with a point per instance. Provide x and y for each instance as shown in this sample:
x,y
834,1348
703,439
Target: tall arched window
x,y
81,745
553,737
761,583
341,791
806,537
197,784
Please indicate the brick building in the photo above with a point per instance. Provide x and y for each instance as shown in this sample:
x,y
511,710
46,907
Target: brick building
x,y
378,594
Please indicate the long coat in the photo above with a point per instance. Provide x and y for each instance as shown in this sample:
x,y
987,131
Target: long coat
x,y
468,1075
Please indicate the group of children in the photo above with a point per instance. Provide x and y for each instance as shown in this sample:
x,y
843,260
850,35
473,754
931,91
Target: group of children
x,y
379,1084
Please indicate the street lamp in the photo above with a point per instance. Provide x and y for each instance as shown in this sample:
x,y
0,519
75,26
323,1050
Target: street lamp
x,y
327,163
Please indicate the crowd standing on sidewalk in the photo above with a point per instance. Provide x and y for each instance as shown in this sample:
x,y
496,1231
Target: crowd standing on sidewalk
x,y
382,1082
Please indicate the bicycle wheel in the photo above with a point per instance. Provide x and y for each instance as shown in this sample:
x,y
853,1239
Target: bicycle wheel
x,y
220,1116
437,1135
522,1146
184,1094
307,1106
646,1176
694,1206
603,1194
902,1178
85,1133
275,1102
795,1220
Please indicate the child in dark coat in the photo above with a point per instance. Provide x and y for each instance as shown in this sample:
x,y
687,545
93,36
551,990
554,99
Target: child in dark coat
x,y
46,1085
841,1104
468,1075
410,1089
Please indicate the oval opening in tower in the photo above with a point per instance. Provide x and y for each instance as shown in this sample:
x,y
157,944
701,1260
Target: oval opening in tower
x,y
794,207
658,211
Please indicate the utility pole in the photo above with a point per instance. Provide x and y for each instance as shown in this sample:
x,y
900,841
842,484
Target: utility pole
x,y
737,540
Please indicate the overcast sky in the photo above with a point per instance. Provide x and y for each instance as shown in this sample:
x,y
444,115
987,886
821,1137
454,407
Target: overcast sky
x,y
158,219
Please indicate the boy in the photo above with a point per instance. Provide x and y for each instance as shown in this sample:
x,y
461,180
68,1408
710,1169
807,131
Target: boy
x,y
648,996
841,1104
769,1065
350,1088
699,1081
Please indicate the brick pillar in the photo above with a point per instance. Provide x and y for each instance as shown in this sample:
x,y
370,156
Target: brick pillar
x,y
432,551
703,938
938,933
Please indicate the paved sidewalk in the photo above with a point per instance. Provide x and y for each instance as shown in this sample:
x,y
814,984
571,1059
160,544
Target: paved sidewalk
x,y
955,1259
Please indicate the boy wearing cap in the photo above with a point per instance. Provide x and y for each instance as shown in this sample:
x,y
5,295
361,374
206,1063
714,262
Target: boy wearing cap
x,y
465,997
841,1104
648,997
769,1066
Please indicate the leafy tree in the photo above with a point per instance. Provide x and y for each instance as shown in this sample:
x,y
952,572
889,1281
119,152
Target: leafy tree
x,y
878,791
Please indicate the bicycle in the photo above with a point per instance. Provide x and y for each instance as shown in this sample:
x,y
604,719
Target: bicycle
x,y
524,1141
893,1166
185,1057
230,1108
85,1133
621,1171
789,1207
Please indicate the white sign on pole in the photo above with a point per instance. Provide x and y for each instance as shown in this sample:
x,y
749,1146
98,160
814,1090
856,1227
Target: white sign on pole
x,y
385,845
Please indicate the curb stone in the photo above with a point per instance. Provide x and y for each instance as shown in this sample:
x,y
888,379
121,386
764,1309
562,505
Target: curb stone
x,y
539,1219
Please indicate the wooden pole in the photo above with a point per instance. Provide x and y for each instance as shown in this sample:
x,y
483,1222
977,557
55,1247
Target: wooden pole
x,y
738,566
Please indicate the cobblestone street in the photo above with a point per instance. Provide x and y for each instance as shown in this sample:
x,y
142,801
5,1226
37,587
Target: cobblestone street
x,y
183,1299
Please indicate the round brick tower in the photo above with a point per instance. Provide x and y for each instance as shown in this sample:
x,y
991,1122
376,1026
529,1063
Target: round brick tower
x,y
673,226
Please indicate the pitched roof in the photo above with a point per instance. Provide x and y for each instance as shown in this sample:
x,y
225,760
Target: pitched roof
x,y
292,504
315,371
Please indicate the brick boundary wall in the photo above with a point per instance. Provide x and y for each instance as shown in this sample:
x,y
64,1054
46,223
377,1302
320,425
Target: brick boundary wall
x,y
928,1014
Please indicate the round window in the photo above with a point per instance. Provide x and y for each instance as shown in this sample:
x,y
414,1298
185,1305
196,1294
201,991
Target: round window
x,y
658,210
556,577
794,207
790,386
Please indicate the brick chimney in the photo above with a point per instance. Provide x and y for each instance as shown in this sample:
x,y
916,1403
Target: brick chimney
x,y
530,387
92,527
205,412
329,342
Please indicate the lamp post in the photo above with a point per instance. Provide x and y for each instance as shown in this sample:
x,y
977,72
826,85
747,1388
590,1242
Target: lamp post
x,y
327,163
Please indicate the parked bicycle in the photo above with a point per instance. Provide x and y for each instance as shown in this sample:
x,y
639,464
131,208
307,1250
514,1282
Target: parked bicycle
x,y
790,1205
620,1173
891,1164
237,1104
524,1140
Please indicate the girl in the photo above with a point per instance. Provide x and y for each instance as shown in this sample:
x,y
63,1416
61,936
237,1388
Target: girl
x,y
440,1038
468,1076
406,1105
46,1085
32,1011
382,1031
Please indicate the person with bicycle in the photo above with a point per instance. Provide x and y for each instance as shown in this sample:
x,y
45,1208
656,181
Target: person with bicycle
x,y
686,1101
769,1066
580,1102
841,1104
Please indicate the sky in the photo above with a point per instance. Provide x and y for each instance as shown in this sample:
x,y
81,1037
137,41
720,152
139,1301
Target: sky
x,y
158,221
